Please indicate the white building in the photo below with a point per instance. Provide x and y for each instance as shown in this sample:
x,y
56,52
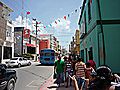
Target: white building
x,y
6,34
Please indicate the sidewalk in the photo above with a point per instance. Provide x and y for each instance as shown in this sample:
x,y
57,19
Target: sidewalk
x,y
50,85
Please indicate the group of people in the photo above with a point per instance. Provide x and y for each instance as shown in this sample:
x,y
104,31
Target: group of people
x,y
85,76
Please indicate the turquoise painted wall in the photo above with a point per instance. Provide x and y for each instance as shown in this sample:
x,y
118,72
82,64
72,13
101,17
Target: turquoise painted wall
x,y
91,41
110,9
112,44
94,14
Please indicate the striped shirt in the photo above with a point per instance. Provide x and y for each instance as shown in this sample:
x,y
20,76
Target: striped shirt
x,y
80,69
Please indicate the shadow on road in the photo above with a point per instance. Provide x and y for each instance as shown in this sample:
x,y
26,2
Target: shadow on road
x,y
44,65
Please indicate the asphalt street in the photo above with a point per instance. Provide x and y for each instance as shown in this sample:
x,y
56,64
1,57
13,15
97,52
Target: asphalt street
x,y
32,77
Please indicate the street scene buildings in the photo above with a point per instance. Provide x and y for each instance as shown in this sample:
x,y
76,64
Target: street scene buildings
x,y
97,38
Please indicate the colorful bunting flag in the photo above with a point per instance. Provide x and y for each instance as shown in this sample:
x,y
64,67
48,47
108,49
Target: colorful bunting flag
x,y
38,30
65,17
51,25
76,10
56,22
59,20
68,15
81,7
28,12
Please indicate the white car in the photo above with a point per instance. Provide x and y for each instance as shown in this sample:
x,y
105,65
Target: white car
x,y
18,61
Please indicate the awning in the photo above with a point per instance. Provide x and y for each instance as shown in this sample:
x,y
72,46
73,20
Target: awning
x,y
30,45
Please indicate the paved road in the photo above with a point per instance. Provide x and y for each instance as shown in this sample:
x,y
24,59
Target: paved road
x,y
32,77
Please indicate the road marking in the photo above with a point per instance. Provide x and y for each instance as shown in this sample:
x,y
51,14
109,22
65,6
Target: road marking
x,y
30,84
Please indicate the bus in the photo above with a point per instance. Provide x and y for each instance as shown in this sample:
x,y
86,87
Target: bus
x,y
47,56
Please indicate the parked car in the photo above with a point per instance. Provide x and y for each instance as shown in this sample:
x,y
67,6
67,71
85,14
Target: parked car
x,y
7,78
18,61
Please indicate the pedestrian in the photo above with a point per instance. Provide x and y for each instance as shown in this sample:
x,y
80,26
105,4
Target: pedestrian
x,y
88,72
100,80
80,72
59,68
65,60
92,63
68,71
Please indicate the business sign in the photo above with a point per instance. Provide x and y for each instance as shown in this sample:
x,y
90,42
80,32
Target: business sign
x,y
26,33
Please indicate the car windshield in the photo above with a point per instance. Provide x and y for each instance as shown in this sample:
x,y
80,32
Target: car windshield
x,y
13,58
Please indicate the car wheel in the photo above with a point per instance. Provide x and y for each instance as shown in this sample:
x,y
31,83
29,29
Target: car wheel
x,y
19,65
10,84
29,63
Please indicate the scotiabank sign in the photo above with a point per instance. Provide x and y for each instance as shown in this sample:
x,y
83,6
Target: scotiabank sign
x,y
26,33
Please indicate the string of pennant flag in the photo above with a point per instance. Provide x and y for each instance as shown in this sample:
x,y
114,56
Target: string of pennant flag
x,y
65,17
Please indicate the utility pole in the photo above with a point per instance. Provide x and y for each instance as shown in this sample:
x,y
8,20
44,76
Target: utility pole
x,y
36,25
36,41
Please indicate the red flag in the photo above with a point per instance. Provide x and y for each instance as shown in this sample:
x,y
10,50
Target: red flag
x,y
28,12
65,17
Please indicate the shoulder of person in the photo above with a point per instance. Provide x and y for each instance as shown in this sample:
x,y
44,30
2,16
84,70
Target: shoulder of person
x,y
55,61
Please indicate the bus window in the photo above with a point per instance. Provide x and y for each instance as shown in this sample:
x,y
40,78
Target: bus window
x,y
41,54
52,54
47,54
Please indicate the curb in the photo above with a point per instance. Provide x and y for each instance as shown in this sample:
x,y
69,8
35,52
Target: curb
x,y
47,83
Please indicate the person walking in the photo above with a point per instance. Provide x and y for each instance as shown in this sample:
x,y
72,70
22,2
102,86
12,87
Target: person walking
x,y
88,72
92,63
68,71
59,69
80,72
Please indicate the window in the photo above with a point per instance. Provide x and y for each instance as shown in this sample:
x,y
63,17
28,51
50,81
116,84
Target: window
x,y
47,54
7,53
41,54
52,54
89,10
90,53
82,54
83,31
31,50
9,31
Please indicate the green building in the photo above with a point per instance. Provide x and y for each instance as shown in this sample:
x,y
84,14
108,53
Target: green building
x,y
99,25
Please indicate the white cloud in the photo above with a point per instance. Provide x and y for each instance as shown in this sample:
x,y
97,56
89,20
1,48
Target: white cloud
x,y
61,24
29,24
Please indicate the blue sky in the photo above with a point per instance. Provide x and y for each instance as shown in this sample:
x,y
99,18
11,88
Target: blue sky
x,y
49,11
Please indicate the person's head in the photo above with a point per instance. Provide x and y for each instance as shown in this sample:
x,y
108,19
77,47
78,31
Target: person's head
x,y
87,64
104,71
70,57
79,59
59,58
65,58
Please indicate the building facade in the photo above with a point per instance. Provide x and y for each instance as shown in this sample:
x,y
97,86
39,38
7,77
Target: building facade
x,y
100,32
25,42
44,44
77,42
6,34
